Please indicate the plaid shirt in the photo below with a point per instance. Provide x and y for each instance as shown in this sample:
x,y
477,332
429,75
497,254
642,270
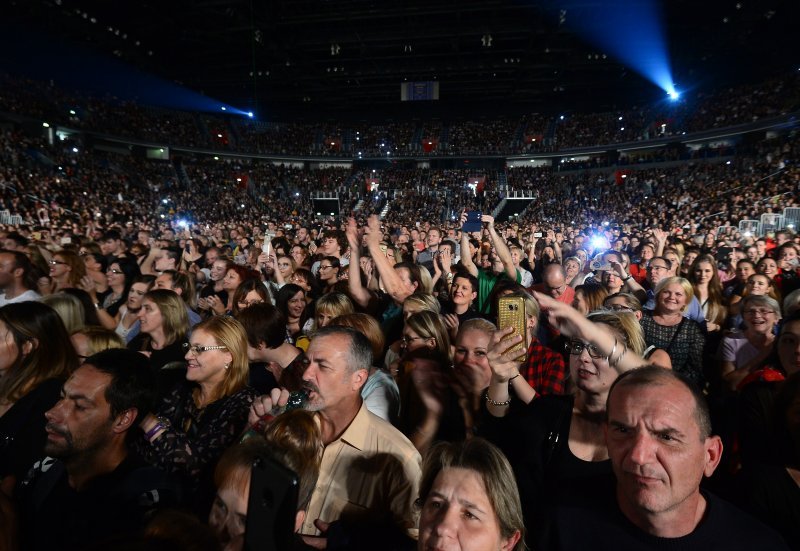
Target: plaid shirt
x,y
544,370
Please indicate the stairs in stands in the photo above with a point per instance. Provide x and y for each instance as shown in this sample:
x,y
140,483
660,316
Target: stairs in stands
x,y
183,176
513,205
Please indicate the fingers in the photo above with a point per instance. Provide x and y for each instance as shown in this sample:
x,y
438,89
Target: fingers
x,y
263,404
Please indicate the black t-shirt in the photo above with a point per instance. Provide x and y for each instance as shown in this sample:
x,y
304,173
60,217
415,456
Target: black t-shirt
x,y
111,506
600,525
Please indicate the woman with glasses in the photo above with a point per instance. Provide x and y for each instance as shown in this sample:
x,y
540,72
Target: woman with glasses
x,y
206,412
743,352
556,442
120,276
251,291
328,273
67,269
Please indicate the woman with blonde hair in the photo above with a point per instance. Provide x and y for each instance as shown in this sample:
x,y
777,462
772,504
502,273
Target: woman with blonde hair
x,y
68,308
164,325
92,339
206,412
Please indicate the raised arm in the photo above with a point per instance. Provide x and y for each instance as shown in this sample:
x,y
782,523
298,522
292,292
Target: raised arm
x,y
394,286
357,290
466,258
573,324
500,247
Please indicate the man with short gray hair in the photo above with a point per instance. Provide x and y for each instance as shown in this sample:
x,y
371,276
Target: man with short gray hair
x,y
369,470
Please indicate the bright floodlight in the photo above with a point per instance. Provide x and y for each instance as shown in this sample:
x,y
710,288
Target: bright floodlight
x,y
674,95
250,114
224,108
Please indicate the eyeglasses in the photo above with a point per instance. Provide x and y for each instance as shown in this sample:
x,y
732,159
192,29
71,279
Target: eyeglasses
x,y
197,349
405,339
245,304
55,262
619,308
576,348
325,267
759,311
656,268
113,271
558,290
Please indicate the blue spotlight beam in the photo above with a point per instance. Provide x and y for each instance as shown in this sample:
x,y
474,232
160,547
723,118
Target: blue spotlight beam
x,y
629,30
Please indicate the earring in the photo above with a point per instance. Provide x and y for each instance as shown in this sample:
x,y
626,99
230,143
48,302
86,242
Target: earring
x,y
227,365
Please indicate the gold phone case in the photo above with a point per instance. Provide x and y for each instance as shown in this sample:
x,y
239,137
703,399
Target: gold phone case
x,y
511,313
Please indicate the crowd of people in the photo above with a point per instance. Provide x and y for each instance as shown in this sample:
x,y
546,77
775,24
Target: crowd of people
x,y
615,368
533,132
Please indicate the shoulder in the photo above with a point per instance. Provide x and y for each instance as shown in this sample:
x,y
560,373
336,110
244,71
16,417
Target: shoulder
x,y
381,436
725,522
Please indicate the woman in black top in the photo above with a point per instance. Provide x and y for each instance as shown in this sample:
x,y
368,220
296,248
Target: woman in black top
x,y
557,443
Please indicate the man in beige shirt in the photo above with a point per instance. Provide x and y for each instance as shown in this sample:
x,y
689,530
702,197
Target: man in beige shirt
x,y
370,472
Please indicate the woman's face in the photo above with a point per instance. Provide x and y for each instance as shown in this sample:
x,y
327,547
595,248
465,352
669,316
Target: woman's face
x,y
150,316
8,349
285,266
228,515
458,515
411,341
231,281
298,254
758,284
470,354
208,367
671,299
703,272
324,318
579,302
114,276
136,296
759,318
80,343
788,258
647,253
674,259
572,268
611,281
59,268
300,281
688,260
218,270
591,374
789,347
252,297
768,267
296,304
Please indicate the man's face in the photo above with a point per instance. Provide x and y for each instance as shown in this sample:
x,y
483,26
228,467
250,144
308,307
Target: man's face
x,y
330,246
11,245
6,270
164,281
656,449
109,246
434,237
302,235
656,271
328,376
554,283
143,238
164,262
80,422
212,256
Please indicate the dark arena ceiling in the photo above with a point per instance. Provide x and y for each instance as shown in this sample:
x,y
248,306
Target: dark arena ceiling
x,y
339,58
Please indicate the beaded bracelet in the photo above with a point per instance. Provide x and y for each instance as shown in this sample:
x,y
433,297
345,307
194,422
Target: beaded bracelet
x,y
498,404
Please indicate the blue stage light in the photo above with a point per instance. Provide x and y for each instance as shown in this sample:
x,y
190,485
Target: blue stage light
x,y
674,95
632,31
224,108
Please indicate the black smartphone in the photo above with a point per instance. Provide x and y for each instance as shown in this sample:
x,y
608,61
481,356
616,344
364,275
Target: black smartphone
x,y
271,507
473,223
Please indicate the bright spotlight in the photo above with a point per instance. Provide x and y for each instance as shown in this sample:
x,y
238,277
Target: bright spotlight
x,y
250,114
674,95
182,223
224,108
